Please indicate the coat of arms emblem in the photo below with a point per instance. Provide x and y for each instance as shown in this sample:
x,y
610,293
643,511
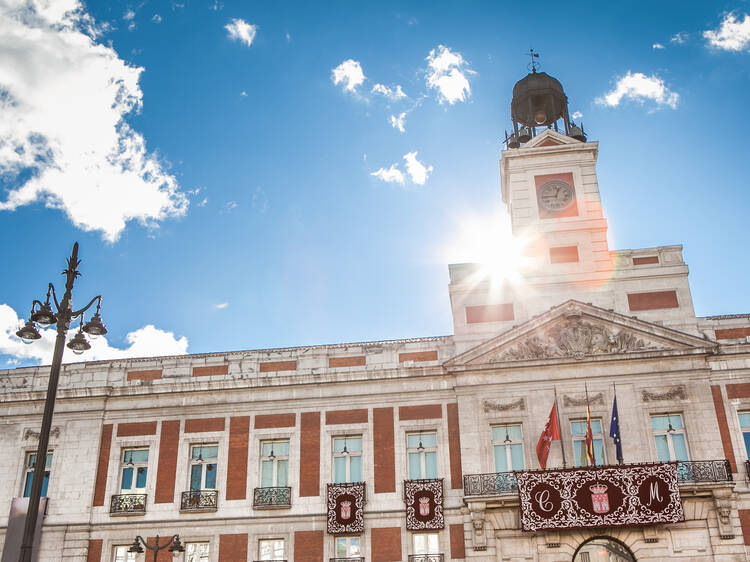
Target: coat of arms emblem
x,y
424,506
599,498
346,510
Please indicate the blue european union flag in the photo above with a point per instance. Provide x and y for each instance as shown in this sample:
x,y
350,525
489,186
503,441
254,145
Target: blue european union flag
x,y
614,430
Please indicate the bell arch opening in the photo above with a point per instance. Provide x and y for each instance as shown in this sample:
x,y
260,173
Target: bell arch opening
x,y
603,549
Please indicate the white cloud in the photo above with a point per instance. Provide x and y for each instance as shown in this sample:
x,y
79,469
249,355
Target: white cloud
x,y
156,19
447,75
288,37
576,115
679,38
390,175
148,341
221,305
231,205
657,46
260,200
243,94
349,74
63,137
639,87
392,94
416,170
128,15
399,122
240,30
731,35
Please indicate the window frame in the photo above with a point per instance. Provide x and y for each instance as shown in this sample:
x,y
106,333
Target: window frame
x,y
204,472
429,546
187,545
28,473
669,434
508,446
576,439
423,454
261,540
348,458
129,556
276,458
136,467
348,553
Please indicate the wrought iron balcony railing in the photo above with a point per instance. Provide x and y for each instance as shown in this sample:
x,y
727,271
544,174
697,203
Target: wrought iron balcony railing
x,y
348,559
128,503
688,472
199,500
272,497
426,558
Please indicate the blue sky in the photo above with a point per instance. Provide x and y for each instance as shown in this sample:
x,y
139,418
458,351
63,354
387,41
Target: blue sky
x,y
237,176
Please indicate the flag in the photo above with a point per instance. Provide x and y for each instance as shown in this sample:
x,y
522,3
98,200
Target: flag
x,y
551,433
591,460
614,430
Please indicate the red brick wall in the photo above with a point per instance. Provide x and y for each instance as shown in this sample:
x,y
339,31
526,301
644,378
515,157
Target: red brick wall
x,y
239,433
418,356
385,460
273,366
169,441
95,550
563,254
204,424
740,390
346,416
489,313
309,455
423,412
210,371
721,417
732,333
102,468
457,541
356,361
653,301
137,428
454,446
267,421
144,375
308,546
164,555
745,524
232,548
386,544
645,260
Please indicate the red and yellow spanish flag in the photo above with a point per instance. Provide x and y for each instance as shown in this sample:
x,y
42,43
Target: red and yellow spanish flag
x,y
591,460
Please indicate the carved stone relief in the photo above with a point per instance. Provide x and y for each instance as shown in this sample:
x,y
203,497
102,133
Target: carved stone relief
x,y
491,406
593,399
674,393
31,434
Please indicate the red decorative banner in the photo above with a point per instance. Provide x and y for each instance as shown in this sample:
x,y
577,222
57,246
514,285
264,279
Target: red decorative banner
x,y
608,496
346,502
424,504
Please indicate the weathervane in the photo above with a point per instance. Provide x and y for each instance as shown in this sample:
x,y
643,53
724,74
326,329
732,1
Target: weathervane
x,y
533,65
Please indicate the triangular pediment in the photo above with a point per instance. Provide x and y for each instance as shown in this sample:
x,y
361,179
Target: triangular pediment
x,y
548,137
578,331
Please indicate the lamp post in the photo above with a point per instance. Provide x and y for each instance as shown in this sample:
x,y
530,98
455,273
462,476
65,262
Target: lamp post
x,y
42,313
174,541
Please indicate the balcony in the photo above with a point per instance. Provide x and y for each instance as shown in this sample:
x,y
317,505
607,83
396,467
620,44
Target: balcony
x,y
426,558
199,500
128,504
688,472
270,498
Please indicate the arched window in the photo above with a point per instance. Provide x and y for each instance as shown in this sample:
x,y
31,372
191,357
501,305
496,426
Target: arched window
x,y
603,549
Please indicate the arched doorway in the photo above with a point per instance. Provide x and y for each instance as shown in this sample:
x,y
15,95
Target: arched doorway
x,y
603,549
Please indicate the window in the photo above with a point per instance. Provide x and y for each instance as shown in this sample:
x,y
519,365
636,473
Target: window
x,y
196,551
274,466
507,442
745,426
669,436
347,459
271,549
203,467
422,453
578,430
426,543
121,554
134,471
347,547
29,478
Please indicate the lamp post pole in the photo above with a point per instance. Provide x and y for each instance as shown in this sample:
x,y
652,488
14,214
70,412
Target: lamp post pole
x,y
174,541
79,344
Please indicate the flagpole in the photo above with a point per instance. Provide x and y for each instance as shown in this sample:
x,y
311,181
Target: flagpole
x,y
557,414
588,426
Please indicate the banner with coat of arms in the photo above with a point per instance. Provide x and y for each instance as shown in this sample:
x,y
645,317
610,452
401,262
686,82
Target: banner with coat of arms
x,y
608,496
424,504
346,502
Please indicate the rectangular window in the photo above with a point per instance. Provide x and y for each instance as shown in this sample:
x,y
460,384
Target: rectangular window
x,y
271,549
121,554
134,471
507,442
29,478
578,430
745,426
669,437
347,547
421,449
203,467
426,543
347,459
274,465
196,551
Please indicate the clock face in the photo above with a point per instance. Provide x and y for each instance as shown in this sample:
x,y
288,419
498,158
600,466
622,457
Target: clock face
x,y
556,195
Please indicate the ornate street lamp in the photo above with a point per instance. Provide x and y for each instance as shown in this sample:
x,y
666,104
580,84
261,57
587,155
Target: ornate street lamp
x,y
43,314
174,544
